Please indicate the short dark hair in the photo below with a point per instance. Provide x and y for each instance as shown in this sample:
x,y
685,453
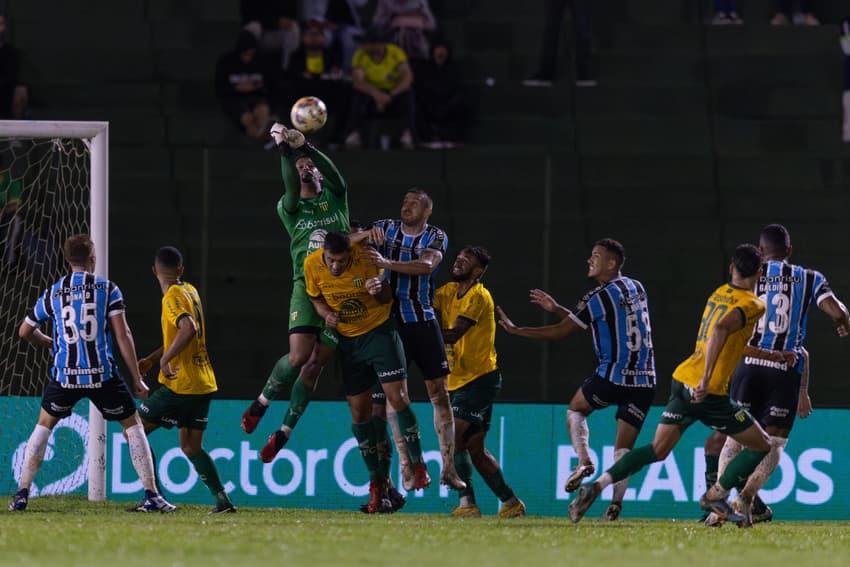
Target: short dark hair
x,y
747,260
777,238
168,257
337,242
615,248
78,249
423,194
480,254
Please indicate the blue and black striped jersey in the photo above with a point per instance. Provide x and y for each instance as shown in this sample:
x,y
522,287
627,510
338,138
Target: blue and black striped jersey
x,y
618,315
788,291
79,306
414,295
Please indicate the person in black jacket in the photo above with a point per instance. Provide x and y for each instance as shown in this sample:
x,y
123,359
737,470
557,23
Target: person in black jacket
x,y
241,84
14,96
442,108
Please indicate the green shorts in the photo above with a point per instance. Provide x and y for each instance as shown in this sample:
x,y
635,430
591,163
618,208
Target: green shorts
x,y
167,409
717,412
374,357
473,402
304,319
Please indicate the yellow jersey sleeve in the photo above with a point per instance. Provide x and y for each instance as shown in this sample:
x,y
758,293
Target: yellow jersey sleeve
x,y
313,263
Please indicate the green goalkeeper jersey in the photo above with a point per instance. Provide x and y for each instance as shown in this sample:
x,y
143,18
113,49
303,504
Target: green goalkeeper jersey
x,y
308,220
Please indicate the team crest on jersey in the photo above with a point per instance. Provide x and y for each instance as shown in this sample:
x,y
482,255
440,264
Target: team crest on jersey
x,y
358,282
324,207
317,239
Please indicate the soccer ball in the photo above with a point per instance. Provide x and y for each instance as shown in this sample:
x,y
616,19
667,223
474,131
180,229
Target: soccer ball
x,y
308,114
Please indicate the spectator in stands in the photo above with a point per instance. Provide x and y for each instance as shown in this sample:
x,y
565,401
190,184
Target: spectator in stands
x,y
785,15
274,24
342,24
725,13
553,16
315,69
845,95
411,21
14,96
241,84
381,80
10,223
440,99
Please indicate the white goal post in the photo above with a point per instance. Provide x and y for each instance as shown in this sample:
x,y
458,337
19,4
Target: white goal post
x,y
96,135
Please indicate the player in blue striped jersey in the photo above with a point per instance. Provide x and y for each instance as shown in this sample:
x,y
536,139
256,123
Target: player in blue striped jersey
x,y
775,392
411,250
617,312
85,311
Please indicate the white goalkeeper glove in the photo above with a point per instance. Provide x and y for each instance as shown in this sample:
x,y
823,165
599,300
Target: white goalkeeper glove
x,y
289,136
277,131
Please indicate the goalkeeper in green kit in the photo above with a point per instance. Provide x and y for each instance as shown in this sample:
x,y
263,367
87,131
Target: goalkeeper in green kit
x,y
314,203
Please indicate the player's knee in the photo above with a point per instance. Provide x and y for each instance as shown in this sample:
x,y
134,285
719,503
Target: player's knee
x,y
297,359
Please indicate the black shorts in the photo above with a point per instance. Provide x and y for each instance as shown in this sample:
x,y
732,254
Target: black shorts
x,y
378,395
768,390
473,402
633,402
423,344
112,398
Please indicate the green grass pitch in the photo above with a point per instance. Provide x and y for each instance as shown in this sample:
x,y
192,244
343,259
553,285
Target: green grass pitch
x,y
72,531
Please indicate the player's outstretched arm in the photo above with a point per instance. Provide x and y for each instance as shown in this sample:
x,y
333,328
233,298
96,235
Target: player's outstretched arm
x,y
548,303
838,313
557,331
127,347
422,266
146,362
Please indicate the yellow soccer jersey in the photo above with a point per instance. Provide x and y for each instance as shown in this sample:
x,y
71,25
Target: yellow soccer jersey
x,y
725,299
474,354
346,294
195,374
384,74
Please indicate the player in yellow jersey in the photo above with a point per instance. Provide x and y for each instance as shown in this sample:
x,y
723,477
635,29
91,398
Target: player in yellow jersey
x,y
467,320
186,375
700,392
351,295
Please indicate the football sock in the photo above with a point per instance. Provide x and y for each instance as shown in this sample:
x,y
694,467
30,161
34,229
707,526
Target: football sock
x,y
140,455
632,462
712,462
579,435
463,466
740,467
765,468
207,472
398,438
410,431
282,376
366,442
298,401
36,446
497,484
621,486
444,425
385,448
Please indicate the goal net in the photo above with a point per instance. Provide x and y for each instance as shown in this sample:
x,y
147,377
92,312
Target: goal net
x,y
52,185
